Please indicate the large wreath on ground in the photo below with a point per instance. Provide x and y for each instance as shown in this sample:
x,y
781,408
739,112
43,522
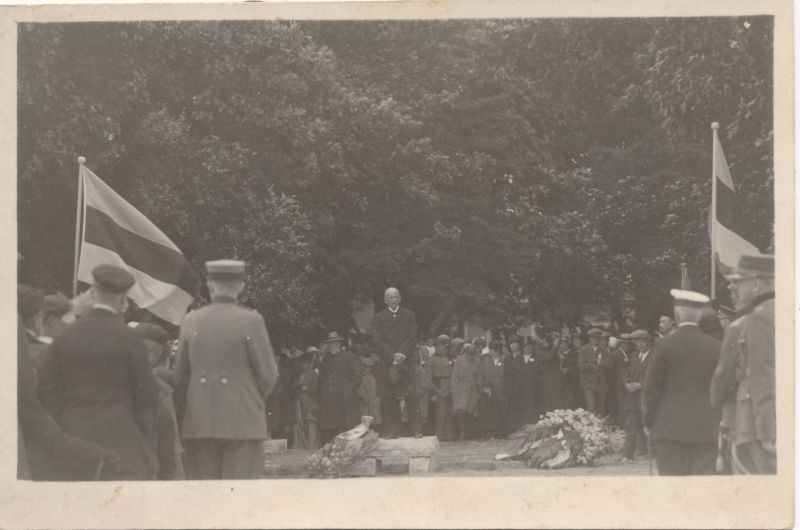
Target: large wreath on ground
x,y
335,458
564,438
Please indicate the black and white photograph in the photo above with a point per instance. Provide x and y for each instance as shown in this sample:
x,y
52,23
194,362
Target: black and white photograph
x,y
344,250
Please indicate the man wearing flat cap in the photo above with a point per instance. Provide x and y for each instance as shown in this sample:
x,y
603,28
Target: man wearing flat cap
x,y
224,373
97,383
746,368
633,381
676,411
590,358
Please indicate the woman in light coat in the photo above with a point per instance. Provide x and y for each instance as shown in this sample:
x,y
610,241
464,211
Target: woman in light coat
x,y
464,387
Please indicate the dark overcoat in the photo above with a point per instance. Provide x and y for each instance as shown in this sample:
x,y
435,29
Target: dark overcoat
x,y
551,381
392,333
675,404
339,377
225,371
97,382
524,380
635,374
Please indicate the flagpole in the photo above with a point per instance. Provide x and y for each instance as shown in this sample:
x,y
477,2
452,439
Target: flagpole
x,y
81,162
713,216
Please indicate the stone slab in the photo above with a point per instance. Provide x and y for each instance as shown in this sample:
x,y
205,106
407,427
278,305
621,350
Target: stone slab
x,y
425,446
365,468
421,465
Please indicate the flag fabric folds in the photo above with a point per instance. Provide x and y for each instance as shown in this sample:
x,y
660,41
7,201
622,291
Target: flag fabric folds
x,y
686,283
728,231
117,233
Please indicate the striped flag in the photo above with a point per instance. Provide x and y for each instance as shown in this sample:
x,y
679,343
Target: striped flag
x,y
117,233
728,229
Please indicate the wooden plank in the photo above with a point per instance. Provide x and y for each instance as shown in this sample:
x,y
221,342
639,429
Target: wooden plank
x,y
275,446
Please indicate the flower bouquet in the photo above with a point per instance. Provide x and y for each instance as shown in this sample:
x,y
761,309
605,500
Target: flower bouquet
x,y
334,459
563,438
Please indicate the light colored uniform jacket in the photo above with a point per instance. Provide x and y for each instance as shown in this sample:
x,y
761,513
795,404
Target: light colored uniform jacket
x,y
225,371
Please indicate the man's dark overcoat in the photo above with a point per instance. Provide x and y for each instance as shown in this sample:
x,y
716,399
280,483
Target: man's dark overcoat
x,y
96,381
675,404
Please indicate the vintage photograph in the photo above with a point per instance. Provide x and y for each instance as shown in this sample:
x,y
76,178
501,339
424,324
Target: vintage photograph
x,y
343,251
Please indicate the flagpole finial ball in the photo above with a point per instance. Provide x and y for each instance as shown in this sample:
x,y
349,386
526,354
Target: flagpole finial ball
x,y
81,160
715,125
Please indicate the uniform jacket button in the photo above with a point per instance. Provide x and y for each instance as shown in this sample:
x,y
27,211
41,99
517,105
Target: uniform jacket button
x,y
224,381
203,380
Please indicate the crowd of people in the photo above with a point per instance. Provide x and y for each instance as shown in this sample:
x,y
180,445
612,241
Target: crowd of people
x,y
117,400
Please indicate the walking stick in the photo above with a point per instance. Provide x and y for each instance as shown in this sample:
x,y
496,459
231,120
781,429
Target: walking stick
x,y
99,471
649,454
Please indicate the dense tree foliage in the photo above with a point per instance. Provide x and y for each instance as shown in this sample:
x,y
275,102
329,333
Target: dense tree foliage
x,y
499,167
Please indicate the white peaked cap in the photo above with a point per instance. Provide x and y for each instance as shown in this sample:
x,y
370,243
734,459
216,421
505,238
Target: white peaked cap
x,y
690,298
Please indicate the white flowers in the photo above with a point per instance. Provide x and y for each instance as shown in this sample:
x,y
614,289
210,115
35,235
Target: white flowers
x,y
594,437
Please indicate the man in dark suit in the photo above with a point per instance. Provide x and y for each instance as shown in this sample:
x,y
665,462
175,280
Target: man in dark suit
x,y
224,373
631,403
96,381
590,357
751,368
676,410
394,330
524,374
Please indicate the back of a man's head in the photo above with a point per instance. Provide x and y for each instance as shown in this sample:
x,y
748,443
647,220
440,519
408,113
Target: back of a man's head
x,y
229,288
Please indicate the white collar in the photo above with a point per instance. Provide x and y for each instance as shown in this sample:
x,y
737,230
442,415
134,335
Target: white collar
x,y
393,310
104,306
682,324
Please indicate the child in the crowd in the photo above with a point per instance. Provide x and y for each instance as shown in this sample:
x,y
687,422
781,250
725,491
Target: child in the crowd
x,y
419,397
368,400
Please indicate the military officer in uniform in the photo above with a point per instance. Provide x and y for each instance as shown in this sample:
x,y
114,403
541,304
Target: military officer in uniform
x,y
754,439
97,383
676,411
224,373
724,384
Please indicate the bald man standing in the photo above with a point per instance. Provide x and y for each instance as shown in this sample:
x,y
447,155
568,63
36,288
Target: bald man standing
x,y
394,330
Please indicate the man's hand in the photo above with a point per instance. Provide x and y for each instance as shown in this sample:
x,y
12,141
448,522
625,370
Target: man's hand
x,y
433,398
646,431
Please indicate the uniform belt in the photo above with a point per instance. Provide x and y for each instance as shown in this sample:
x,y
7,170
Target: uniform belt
x,y
437,379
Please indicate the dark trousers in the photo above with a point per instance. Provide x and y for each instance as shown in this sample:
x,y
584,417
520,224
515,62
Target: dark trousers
x,y
390,407
443,412
685,458
209,459
392,415
590,399
635,438
751,459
